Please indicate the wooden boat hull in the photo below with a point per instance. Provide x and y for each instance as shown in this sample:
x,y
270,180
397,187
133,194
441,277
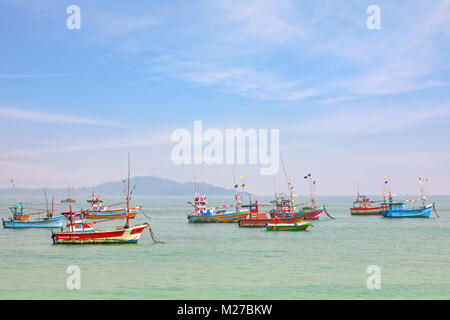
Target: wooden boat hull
x,y
55,222
288,226
367,211
408,213
310,214
118,235
261,223
218,218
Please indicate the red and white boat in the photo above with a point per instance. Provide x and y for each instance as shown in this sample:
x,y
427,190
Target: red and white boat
x,y
363,206
257,219
79,231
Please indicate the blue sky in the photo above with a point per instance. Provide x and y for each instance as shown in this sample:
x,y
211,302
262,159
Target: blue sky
x,y
352,104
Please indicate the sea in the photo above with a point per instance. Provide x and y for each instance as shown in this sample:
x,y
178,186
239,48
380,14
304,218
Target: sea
x,y
349,257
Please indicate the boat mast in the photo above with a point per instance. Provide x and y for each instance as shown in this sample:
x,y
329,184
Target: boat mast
x,y
384,189
236,201
390,193
127,198
275,187
46,203
311,188
423,189
357,198
290,189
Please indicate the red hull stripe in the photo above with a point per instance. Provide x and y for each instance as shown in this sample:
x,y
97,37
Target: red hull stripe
x,y
90,235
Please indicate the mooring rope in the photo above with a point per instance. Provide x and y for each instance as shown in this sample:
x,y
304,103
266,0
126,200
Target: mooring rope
x,y
152,234
325,209
434,209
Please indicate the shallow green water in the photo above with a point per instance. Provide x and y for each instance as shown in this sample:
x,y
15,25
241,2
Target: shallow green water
x,y
222,261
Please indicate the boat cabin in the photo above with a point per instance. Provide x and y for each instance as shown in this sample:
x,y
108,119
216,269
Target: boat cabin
x,y
77,223
17,211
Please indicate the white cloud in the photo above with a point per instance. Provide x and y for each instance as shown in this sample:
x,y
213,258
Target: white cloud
x,y
55,118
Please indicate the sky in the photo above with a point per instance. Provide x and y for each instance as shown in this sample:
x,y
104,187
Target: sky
x,y
352,104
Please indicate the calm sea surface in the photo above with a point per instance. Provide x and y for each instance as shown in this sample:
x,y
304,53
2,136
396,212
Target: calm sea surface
x,y
223,261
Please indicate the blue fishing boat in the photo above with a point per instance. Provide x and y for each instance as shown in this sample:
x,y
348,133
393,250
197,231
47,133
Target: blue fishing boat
x,y
21,220
400,210
225,213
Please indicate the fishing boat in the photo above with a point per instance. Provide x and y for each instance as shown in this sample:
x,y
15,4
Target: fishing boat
x,y
203,214
97,210
311,212
256,219
309,208
69,199
399,209
286,206
221,214
20,219
298,226
363,206
79,231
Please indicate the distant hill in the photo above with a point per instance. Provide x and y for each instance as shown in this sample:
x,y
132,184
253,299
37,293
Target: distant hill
x,y
145,186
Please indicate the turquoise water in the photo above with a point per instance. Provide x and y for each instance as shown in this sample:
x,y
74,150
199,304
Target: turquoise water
x,y
222,261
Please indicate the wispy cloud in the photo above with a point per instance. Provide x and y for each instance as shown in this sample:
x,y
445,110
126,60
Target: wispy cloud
x,y
366,121
143,140
243,81
247,82
402,61
10,76
55,118
274,21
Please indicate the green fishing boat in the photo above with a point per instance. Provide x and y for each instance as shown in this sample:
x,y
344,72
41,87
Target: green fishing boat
x,y
288,226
